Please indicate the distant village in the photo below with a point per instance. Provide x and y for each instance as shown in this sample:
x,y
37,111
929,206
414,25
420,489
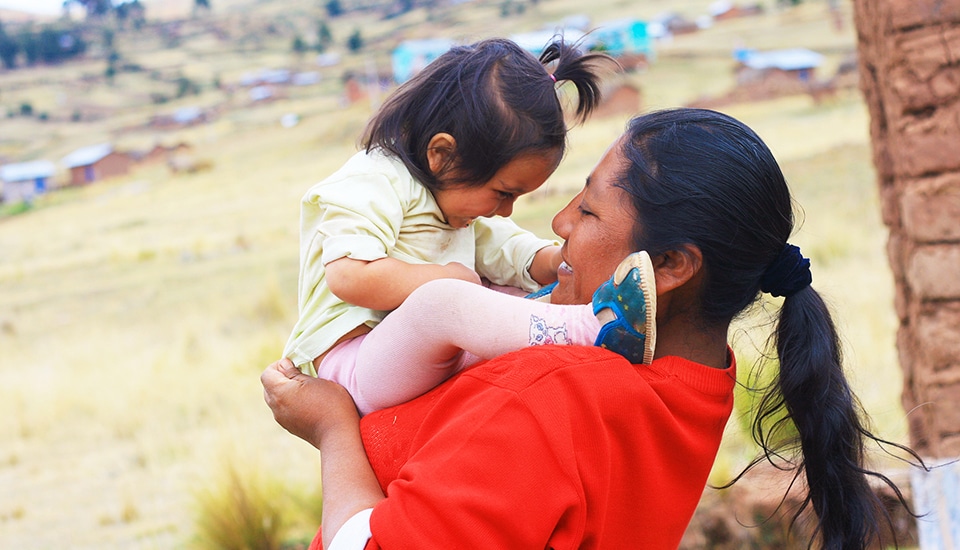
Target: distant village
x,y
759,75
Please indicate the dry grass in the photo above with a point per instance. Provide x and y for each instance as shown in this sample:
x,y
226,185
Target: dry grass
x,y
136,314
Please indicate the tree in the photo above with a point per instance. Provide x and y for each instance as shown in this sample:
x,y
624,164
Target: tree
x,y
324,37
122,13
29,45
299,46
108,37
334,8
186,86
133,11
49,46
8,49
52,44
94,8
355,42
202,4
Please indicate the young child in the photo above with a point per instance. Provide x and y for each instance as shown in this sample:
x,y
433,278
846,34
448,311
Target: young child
x,y
427,199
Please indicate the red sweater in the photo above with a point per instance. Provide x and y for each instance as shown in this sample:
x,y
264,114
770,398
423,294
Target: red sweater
x,y
549,447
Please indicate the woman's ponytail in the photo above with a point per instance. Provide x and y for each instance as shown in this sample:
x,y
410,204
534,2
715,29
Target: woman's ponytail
x,y
827,417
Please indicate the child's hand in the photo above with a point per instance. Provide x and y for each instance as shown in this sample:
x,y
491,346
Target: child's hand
x,y
545,264
455,270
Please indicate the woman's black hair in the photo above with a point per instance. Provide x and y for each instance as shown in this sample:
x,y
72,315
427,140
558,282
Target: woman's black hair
x,y
497,101
703,178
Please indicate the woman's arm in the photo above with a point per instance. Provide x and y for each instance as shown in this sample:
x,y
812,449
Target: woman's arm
x,y
323,414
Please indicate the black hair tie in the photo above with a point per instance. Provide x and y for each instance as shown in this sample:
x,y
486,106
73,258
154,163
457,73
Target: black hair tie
x,y
788,274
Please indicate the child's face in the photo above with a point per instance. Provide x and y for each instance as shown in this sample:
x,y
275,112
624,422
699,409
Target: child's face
x,y
461,205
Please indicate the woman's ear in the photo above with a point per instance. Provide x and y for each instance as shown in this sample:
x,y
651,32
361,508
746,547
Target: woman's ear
x,y
674,268
440,152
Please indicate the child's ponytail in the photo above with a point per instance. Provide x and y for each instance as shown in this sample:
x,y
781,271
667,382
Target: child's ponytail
x,y
583,70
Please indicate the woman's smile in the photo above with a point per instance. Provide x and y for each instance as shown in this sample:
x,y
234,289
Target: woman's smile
x,y
597,227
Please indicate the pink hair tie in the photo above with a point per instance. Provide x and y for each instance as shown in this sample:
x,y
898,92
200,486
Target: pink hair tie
x,y
552,77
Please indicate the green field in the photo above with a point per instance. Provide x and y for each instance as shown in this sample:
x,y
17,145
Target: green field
x,y
136,314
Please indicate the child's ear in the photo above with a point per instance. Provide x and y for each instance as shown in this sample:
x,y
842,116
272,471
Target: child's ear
x,y
440,152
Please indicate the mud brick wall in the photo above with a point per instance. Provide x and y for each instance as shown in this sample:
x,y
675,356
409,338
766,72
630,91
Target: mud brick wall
x,y
909,54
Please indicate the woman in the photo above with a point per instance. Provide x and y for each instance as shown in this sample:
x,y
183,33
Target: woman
x,y
573,447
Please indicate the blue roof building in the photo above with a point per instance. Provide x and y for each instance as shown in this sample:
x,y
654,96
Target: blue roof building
x,y
622,37
25,180
792,59
411,56
86,156
95,162
797,64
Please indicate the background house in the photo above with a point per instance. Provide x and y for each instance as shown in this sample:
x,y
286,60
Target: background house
x,y
161,153
792,67
619,98
21,182
622,37
724,9
775,73
670,23
96,162
411,56
182,117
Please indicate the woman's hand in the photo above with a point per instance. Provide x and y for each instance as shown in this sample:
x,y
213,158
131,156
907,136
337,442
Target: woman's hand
x,y
323,414
309,408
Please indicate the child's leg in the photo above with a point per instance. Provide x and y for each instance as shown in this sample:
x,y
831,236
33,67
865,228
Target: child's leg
x,y
419,344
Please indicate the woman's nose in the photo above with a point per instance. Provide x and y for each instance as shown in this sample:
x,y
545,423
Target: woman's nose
x,y
562,221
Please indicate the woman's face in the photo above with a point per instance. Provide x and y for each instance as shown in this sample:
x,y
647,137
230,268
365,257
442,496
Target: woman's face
x,y
597,227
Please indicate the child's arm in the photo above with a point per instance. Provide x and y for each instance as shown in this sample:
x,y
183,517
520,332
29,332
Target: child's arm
x,y
385,283
511,256
545,263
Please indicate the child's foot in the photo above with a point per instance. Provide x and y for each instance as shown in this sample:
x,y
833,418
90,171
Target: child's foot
x,y
627,305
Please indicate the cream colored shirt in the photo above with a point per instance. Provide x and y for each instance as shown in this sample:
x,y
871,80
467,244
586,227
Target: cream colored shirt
x,y
373,208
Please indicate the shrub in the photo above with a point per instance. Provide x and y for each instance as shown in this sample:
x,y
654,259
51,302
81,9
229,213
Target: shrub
x,y
239,512
355,42
245,506
299,45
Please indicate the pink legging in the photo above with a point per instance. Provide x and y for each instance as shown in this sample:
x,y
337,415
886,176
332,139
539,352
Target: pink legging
x,y
441,328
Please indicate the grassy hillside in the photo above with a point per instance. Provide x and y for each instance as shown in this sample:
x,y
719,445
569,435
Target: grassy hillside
x,y
136,314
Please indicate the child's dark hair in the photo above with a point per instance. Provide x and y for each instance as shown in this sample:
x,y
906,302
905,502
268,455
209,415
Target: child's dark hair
x,y
703,178
496,100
